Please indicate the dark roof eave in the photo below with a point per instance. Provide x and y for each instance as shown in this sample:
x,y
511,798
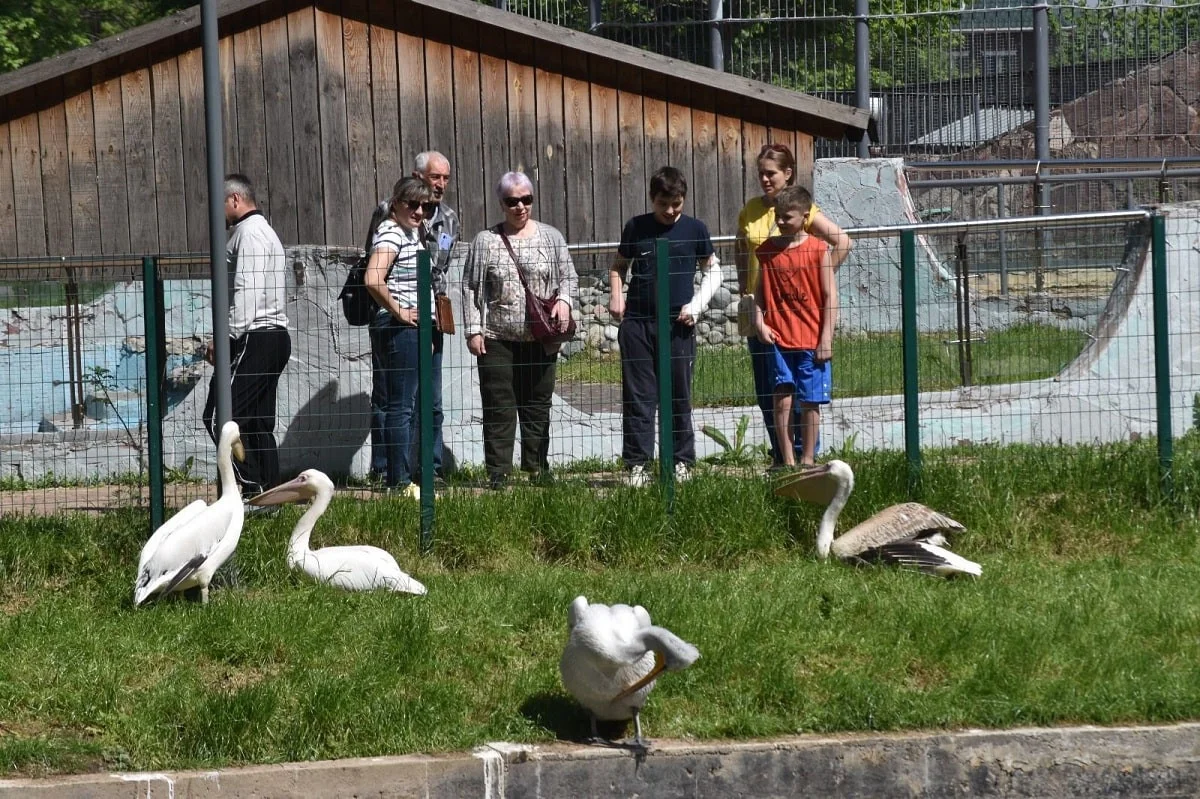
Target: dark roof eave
x,y
820,116
816,115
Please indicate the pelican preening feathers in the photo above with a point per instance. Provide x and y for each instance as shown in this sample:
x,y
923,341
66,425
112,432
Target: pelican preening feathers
x,y
190,546
612,658
909,534
354,568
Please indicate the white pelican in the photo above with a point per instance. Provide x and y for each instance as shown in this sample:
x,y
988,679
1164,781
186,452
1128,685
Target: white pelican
x,y
909,534
354,568
190,546
612,658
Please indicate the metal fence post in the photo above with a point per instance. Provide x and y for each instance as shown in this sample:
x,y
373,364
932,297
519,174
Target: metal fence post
x,y
1041,116
155,358
908,316
1162,354
425,392
862,68
214,157
1002,211
716,44
666,420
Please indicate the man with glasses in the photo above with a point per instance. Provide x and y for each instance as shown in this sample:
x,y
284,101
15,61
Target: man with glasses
x,y
439,232
259,344
441,222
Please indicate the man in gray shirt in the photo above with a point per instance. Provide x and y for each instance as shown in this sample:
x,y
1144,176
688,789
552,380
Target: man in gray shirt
x,y
259,344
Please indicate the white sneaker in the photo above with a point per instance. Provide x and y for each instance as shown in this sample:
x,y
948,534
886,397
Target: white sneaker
x,y
637,477
412,491
682,473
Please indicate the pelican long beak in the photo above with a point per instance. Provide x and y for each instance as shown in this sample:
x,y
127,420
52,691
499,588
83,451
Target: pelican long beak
x,y
239,451
292,491
660,663
814,484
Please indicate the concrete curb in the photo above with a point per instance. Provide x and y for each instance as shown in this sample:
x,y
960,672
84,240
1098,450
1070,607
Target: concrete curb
x,y
1059,762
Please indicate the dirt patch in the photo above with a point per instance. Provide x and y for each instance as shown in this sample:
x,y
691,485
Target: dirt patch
x,y
1063,282
590,397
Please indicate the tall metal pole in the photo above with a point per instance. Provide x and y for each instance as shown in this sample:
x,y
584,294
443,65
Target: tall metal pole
x,y
666,418
1162,353
151,286
862,68
1041,119
1041,80
594,19
716,45
425,393
908,336
214,143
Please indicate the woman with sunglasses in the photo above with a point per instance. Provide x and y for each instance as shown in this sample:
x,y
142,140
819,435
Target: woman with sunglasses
x,y
516,372
392,280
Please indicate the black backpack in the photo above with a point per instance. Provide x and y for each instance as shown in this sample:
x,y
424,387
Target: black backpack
x,y
358,306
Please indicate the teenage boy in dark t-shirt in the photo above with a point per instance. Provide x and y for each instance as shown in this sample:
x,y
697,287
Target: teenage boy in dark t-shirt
x,y
690,249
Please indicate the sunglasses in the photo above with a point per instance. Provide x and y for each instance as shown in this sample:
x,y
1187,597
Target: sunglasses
x,y
513,202
413,205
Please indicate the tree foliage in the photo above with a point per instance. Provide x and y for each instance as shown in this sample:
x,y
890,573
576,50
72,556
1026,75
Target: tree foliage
x,y
34,30
1111,31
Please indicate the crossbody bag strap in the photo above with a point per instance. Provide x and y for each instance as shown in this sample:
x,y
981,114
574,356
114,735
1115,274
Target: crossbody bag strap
x,y
516,261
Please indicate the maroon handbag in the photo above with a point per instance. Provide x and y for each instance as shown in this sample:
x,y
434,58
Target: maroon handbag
x,y
538,310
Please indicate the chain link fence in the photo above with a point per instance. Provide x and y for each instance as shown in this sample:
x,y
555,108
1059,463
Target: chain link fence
x,y
946,80
951,335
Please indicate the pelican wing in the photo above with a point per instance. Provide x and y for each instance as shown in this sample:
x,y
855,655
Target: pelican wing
x,y
816,484
359,568
185,515
199,537
907,521
929,558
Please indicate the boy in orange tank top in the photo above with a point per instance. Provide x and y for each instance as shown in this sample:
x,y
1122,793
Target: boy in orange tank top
x,y
796,308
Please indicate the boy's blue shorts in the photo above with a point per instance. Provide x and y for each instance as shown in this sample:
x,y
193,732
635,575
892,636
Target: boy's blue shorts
x,y
813,381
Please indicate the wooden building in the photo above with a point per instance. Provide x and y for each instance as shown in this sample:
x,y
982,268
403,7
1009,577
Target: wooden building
x,y
102,149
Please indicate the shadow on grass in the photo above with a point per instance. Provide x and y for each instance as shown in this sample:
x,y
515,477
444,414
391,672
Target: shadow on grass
x,y
565,718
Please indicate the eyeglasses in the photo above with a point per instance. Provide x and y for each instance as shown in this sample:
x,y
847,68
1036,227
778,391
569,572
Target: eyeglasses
x,y
513,202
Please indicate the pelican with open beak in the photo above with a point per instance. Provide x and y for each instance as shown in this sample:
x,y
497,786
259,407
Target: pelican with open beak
x,y
189,547
908,534
613,657
353,568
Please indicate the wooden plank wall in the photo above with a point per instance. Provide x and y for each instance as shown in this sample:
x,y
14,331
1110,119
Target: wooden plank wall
x,y
325,108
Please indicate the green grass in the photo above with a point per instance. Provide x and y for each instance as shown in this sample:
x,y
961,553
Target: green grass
x,y
1087,613
871,365
39,294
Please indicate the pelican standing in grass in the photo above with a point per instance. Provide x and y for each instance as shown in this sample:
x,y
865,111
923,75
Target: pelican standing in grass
x,y
189,547
612,658
354,568
908,534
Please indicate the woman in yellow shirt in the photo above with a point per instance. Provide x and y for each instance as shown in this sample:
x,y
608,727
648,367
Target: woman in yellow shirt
x,y
756,223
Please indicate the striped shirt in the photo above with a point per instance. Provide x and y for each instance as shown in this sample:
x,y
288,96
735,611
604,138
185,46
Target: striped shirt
x,y
402,276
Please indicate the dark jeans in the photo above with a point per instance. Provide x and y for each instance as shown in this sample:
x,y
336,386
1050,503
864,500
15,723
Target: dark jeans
x,y
257,359
764,389
639,389
516,381
395,422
